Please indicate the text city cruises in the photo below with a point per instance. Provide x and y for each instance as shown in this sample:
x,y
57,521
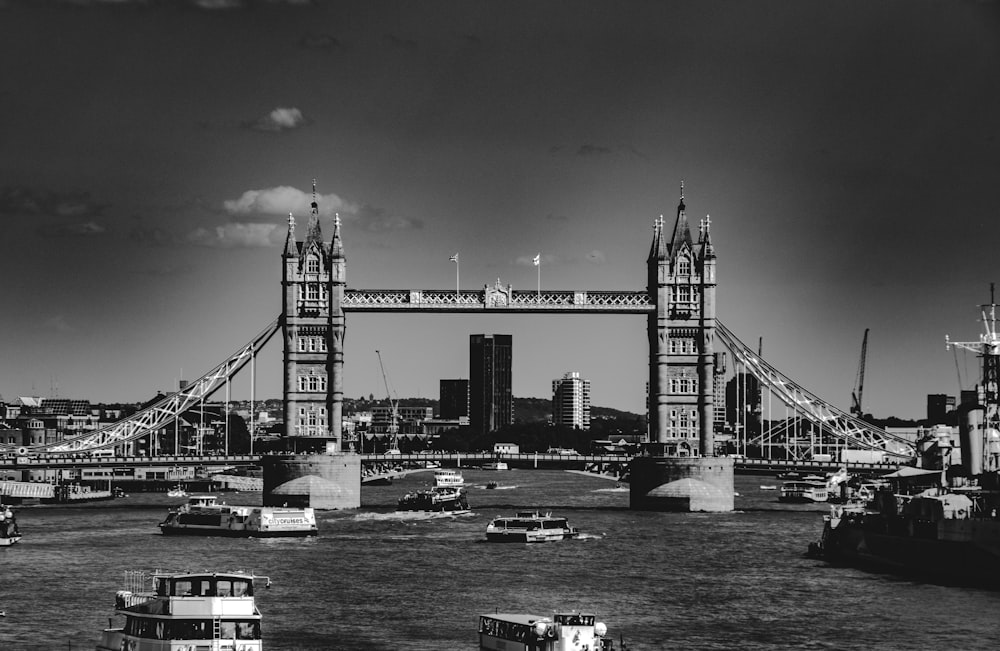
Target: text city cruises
x,y
210,611
562,632
445,477
202,515
528,527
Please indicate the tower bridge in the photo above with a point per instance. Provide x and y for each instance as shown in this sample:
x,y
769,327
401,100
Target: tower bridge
x,y
687,371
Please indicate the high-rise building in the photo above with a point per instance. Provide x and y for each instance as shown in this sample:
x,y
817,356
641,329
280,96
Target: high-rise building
x,y
491,403
453,400
571,401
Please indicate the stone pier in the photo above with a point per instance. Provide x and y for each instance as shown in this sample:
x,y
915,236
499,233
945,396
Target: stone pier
x,y
682,484
322,481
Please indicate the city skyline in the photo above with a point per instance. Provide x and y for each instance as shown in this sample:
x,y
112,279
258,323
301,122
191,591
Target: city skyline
x,y
153,151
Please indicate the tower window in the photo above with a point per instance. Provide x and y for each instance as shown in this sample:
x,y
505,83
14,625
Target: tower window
x,y
683,266
312,265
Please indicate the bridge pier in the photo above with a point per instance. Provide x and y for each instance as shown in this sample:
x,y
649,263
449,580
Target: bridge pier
x,y
659,483
322,481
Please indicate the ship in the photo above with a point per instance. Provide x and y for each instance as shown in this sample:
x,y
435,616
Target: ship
x,y
172,611
564,631
9,533
439,499
203,515
940,520
528,527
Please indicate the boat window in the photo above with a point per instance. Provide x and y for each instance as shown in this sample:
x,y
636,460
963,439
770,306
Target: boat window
x,y
223,588
182,587
248,630
227,630
242,588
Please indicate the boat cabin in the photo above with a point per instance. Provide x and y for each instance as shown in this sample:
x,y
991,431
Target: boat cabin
x,y
204,585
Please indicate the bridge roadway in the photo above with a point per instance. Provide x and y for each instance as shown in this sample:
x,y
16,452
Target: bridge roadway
x,y
449,459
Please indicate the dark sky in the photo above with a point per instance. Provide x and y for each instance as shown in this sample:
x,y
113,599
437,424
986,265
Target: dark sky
x,y
151,151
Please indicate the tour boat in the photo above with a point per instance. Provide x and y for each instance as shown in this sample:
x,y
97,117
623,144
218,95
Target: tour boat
x,y
446,477
202,515
173,611
529,526
496,465
439,499
9,533
804,491
564,631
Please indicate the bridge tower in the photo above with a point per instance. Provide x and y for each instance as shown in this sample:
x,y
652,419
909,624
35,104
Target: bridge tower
x,y
681,338
313,333
678,470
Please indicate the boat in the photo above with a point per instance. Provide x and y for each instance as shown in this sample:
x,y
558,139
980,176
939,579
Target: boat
x,y
496,465
528,527
9,533
563,631
490,485
177,491
439,499
203,515
447,477
768,487
804,491
939,520
173,611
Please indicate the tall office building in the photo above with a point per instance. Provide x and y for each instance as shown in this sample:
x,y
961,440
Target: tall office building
x,y
571,401
491,403
453,400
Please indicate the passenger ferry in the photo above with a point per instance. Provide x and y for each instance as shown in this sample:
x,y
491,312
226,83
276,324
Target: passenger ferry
x,y
528,527
445,477
168,612
439,499
9,533
202,515
804,491
569,631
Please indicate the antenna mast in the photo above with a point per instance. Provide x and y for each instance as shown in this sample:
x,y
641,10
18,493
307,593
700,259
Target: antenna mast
x,y
859,387
393,404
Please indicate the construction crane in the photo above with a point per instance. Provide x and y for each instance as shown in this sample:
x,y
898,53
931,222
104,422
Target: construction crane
x,y
859,387
393,406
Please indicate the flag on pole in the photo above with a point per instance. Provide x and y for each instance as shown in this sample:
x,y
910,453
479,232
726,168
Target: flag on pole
x,y
537,259
454,258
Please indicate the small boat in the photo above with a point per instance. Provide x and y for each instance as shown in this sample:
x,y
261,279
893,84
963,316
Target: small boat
x,y
529,526
9,533
564,631
177,491
768,487
202,515
446,477
804,491
491,485
203,610
439,499
496,465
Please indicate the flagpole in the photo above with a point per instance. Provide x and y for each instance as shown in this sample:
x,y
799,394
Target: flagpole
x,y
454,259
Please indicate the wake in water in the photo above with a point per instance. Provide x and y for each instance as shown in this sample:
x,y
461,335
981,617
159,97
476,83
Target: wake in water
x,y
619,489
497,488
405,516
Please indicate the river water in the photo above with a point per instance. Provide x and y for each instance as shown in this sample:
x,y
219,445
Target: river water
x,y
374,579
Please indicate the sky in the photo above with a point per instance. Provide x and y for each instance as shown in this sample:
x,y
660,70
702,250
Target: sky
x,y
150,152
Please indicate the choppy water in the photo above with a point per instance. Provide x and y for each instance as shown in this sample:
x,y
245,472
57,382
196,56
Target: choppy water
x,y
375,580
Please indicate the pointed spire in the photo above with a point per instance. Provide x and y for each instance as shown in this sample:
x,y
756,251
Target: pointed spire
x,y
313,232
682,232
658,249
290,249
708,251
336,244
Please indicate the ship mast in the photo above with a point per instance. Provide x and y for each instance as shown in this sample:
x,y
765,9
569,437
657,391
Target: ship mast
x,y
988,348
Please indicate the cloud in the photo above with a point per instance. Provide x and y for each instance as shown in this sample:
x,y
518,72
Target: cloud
x,y
320,42
236,235
376,220
280,119
398,43
84,229
23,201
58,323
592,150
284,199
